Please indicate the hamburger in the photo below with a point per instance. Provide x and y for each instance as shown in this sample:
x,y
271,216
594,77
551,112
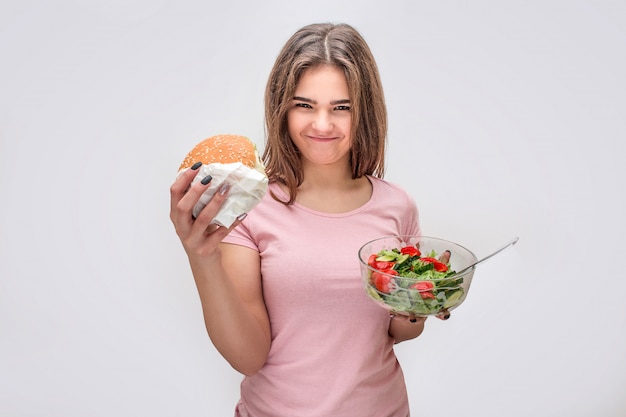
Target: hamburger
x,y
231,159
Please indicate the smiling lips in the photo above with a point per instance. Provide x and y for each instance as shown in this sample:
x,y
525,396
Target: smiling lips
x,y
321,139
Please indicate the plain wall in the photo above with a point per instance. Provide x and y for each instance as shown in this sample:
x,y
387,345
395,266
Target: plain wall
x,y
506,119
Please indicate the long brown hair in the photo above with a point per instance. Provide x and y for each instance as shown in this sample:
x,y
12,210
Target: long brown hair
x,y
318,44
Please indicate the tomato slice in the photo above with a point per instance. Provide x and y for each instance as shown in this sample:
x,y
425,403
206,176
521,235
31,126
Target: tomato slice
x,y
381,282
424,288
439,266
410,250
384,265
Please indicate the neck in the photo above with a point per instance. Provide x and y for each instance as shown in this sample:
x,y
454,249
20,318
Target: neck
x,y
327,177
331,189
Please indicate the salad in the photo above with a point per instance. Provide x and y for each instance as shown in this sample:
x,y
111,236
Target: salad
x,y
412,283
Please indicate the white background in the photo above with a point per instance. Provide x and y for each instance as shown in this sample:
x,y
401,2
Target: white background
x,y
506,119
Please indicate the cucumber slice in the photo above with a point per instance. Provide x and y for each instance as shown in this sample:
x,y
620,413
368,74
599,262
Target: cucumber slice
x,y
453,299
374,294
401,258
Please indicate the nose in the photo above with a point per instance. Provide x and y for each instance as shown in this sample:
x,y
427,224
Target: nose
x,y
322,122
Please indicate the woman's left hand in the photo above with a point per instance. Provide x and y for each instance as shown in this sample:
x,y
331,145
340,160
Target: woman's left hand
x,y
403,327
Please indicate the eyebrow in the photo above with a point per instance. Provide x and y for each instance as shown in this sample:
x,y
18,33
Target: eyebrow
x,y
334,102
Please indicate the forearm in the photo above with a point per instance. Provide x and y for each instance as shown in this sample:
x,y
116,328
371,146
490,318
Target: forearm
x,y
238,328
401,328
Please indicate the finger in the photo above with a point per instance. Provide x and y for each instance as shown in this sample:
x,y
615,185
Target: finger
x,y
191,198
417,320
182,211
212,228
411,319
182,183
443,315
206,215
200,229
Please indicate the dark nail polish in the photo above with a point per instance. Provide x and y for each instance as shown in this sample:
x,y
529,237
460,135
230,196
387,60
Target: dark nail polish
x,y
413,320
196,165
206,180
242,216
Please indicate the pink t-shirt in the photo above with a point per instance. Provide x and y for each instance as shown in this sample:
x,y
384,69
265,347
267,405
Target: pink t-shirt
x,y
331,354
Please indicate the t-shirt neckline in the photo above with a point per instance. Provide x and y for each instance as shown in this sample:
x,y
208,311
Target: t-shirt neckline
x,y
278,191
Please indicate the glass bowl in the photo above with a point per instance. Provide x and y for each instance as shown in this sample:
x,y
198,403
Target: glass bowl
x,y
407,274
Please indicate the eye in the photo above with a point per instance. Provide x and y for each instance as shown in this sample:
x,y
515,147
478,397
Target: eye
x,y
302,105
344,108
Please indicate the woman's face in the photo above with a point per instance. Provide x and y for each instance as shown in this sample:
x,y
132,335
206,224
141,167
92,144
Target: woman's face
x,y
319,120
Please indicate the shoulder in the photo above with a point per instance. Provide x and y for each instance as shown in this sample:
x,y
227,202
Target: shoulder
x,y
387,195
391,201
384,187
261,222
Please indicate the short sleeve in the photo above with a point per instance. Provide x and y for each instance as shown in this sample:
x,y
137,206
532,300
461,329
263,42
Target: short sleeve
x,y
241,235
411,224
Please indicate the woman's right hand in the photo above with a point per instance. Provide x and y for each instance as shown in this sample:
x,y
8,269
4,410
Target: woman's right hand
x,y
198,235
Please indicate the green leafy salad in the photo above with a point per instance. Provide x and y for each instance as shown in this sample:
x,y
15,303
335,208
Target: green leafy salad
x,y
413,284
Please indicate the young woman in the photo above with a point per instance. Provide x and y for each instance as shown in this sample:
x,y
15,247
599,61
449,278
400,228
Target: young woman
x,y
281,289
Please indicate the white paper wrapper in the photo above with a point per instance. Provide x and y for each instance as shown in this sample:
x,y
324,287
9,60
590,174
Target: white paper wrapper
x,y
247,188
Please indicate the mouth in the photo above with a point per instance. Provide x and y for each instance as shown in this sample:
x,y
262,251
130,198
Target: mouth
x,y
321,138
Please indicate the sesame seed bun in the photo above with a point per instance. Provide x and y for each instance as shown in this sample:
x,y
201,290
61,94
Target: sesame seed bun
x,y
224,149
